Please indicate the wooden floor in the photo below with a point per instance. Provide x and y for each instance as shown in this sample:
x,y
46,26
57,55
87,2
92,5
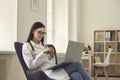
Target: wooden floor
x,y
110,78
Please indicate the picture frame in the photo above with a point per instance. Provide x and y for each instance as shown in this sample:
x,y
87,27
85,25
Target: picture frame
x,y
35,5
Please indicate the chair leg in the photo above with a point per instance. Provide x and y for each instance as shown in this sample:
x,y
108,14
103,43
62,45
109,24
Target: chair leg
x,y
106,74
96,74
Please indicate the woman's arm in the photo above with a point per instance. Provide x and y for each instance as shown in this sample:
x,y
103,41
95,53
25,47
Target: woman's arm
x,y
50,51
31,62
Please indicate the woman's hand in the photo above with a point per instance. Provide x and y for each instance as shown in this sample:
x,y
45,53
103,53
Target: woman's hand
x,y
50,51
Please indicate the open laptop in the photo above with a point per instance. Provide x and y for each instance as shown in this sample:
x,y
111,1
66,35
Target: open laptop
x,y
73,54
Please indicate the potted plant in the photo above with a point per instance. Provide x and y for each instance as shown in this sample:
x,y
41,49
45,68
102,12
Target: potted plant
x,y
87,49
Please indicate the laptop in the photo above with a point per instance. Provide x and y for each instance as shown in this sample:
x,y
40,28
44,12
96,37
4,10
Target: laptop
x,y
73,54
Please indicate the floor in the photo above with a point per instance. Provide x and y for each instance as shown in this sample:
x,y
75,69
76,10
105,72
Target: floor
x,y
110,78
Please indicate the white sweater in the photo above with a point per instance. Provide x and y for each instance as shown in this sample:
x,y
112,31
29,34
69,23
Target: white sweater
x,y
36,59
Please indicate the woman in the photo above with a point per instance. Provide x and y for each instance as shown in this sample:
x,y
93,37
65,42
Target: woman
x,y
37,56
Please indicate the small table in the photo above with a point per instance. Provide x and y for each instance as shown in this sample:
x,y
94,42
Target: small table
x,y
87,56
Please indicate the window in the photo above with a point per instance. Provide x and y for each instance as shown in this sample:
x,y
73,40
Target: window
x,y
57,24
50,21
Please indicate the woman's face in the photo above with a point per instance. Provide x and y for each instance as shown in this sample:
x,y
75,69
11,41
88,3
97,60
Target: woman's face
x,y
39,33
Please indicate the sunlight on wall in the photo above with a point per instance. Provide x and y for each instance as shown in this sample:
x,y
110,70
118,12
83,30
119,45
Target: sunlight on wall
x,y
8,24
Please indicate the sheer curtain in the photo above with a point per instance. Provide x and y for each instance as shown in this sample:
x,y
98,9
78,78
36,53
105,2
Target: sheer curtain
x,y
50,21
57,24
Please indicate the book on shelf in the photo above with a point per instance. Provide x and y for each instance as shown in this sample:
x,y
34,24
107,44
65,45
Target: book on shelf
x,y
118,46
97,47
108,36
118,36
97,59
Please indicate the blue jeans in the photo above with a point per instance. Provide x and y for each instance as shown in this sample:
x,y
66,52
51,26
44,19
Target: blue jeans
x,y
76,71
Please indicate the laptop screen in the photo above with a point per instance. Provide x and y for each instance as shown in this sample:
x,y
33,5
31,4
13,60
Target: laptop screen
x,y
74,51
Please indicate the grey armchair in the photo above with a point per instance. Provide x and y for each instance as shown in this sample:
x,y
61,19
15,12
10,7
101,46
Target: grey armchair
x,y
31,74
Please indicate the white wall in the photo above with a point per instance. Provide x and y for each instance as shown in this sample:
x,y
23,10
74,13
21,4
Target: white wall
x,y
72,19
97,15
8,24
65,22
60,23
26,17
10,68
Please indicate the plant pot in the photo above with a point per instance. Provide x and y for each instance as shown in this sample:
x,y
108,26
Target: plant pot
x,y
85,53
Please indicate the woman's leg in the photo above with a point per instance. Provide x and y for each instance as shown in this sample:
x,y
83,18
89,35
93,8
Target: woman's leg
x,y
77,67
83,72
76,76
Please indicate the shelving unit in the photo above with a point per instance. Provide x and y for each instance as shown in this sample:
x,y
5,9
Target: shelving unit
x,y
86,61
102,40
118,53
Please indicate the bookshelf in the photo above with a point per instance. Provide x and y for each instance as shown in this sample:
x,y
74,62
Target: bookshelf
x,y
86,61
102,40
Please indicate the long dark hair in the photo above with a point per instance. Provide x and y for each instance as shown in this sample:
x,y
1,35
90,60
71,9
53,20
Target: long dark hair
x,y
35,26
